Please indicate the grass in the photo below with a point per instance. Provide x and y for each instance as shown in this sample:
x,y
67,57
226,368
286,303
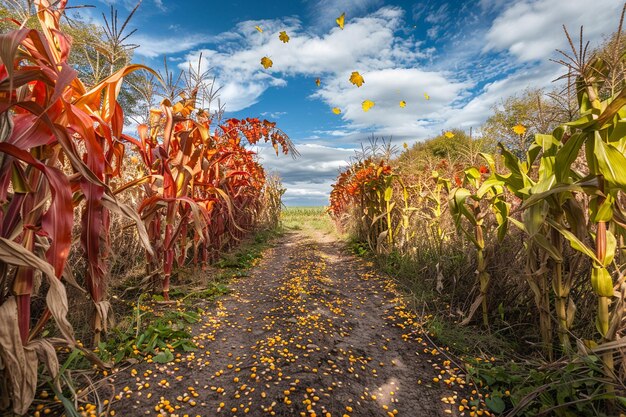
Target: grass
x,y
308,220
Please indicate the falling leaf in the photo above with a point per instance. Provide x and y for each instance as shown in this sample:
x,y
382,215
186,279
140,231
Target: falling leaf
x,y
426,96
356,79
259,29
336,110
266,62
367,105
340,20
318,82
283,37
403,104
449,135
519,129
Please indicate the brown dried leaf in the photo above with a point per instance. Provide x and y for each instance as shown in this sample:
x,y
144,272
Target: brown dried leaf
x,y
56,298
21,372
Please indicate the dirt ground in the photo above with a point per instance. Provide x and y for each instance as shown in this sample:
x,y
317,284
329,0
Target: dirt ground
x,y
314,331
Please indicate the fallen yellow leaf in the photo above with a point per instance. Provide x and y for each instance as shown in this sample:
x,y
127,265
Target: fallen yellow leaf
x,y
356,79
266,62
341,20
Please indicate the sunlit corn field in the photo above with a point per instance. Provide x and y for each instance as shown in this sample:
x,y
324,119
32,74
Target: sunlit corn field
x,y
149,265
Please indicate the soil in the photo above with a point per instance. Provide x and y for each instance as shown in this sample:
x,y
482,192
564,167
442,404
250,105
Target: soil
x,y
313,331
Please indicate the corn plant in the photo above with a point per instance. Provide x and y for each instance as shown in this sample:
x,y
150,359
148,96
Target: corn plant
x,y
46,115
200,178
599,132
473,207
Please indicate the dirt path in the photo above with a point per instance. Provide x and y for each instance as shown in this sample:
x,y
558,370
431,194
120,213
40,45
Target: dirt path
x,y
312,332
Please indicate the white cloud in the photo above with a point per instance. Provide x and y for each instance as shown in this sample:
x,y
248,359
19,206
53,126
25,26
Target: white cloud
x,y
273,114
152,47
470,65
368,44
302,193
474,113
387,87
316,164
439,15
532,30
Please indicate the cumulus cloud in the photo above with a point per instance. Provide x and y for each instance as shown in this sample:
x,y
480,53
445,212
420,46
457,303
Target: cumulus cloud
x,y
532,30
307,179
368,44
474,57
152,47
387,87
316,164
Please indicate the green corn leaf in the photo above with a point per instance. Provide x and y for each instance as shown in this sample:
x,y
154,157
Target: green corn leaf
x,y
567,155
545,244
388,193
611,163
601,281
618,132
611,246
574,241
489,184
604,211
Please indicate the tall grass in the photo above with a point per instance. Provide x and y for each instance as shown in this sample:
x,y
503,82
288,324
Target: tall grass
x,y
308,220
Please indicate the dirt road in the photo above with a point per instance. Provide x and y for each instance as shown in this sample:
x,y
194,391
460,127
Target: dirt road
x,y
314,331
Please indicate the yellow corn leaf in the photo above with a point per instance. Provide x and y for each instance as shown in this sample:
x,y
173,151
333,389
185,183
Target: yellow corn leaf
x,y
283,36
266,62
367,105
336,110
259,29
356,79
403,104
341,20
318,82
519,129
426,96
449,135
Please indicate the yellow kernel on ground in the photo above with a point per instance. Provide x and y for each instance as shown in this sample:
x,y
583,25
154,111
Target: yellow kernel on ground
x,y
348,409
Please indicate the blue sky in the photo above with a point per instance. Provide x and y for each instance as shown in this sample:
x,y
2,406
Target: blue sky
x,y
466,55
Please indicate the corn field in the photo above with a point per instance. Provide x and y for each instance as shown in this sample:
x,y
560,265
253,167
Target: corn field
x,y
186,185
542,233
